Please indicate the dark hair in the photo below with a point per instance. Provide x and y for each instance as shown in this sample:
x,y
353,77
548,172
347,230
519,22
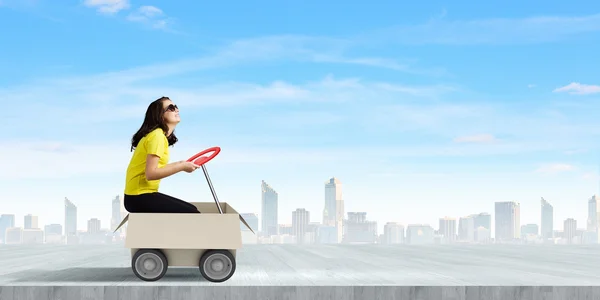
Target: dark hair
x,y
154,119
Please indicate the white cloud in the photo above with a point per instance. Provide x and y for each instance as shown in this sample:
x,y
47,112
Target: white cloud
x,y
108,6
590,176
478,138
48,159
150,15
536,29
576,151
576,88
236,53
555,168
280,112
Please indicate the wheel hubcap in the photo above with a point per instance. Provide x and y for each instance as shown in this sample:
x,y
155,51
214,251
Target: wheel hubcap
x,y
149,265
217,266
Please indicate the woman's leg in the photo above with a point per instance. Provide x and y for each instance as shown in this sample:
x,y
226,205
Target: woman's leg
x,y
179,201
157,203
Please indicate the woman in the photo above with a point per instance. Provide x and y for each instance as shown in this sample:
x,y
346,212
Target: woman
x,y
149,163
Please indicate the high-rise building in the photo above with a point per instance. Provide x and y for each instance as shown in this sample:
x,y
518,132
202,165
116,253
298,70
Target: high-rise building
x,y
270,210
448,229
466,228
393,233
116,213
359,230
53,229
508,221
251,219
529,230
6,221
70,218
31,222
300,220
93,226
333,213
483,225
547,228
419,234
593,220
570,227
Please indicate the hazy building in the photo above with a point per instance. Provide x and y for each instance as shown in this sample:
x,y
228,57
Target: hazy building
x,y
285,229
447,229
570,232
418,234
116,216
14,235
529,231
593,220
393,233
547,228
333,213
70,218
93,226
359,230
53,229
483,225
508,219
32,236
6,221
30,222
270,209
53,234
327,235
466,228
251,219
300,220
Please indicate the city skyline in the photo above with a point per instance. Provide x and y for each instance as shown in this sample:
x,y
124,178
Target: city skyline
x,y
423,111
333,195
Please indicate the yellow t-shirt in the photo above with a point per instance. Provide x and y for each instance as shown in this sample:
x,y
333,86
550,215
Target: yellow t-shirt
x,y
155,143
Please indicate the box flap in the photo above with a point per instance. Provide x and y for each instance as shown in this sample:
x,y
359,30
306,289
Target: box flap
x,y
244,221
122,222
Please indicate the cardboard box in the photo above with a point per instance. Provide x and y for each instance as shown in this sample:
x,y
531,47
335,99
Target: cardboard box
x,y
208,240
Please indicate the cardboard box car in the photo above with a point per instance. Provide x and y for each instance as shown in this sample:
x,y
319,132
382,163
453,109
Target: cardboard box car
x,y
183,238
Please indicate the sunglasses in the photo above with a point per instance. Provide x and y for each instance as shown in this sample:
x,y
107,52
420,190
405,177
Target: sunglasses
x,y
171,107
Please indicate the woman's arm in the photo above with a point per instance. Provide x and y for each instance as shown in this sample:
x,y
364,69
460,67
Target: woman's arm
x,y
153,172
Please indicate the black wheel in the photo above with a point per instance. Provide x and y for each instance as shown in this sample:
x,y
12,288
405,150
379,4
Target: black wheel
x,y
149,264
217,265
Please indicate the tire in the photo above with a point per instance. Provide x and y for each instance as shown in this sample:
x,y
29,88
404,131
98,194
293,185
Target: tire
x,y
217,265
149,264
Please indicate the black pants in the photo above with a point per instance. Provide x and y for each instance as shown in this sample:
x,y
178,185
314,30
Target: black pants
x,y
157,203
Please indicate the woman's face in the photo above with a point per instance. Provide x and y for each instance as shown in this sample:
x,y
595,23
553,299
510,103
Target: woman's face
x,y
171,114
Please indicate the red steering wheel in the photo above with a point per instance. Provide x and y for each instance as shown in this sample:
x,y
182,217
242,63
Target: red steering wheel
x,y
199,159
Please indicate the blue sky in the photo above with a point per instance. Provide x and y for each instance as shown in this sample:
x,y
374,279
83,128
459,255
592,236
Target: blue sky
x,y
421,110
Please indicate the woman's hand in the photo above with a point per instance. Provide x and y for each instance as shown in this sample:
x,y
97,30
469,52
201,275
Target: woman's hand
x,y
189,166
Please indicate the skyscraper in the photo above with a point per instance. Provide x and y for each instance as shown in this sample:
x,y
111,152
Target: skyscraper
x,y
30,222
466,228
116,213
6,221
547,228
93,226
300,220
333,213
570,230
270,209
70,218
483,226
508,221
448,229
252,220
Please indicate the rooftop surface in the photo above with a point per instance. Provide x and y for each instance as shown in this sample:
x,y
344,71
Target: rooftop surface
x,y
317,265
